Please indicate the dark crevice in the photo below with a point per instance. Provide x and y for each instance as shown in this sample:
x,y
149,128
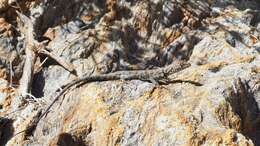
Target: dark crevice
x,y
256,18
38,85
66,139
6,130
245,106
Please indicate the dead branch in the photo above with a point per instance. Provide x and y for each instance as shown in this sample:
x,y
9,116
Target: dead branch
x,y
26,79
64,64
32,48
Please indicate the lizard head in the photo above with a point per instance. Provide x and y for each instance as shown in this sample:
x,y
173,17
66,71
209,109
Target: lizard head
x,y
176,66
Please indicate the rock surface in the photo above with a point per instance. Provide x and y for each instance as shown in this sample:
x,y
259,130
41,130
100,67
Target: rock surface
x,y
213,102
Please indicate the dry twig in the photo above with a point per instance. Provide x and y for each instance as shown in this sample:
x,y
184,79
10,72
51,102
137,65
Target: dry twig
x,y
33,47
26,80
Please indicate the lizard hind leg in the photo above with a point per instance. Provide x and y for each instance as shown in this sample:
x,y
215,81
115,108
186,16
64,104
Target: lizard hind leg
x,y
158,83
163,82
152,80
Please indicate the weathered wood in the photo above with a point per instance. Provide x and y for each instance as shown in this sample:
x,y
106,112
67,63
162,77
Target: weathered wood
x,y
59,60
28,69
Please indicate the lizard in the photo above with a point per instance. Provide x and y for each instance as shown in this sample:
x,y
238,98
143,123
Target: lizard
x,y
155,74
148,75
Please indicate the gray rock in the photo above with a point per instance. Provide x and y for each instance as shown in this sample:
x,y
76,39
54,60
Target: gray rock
x,y
215,101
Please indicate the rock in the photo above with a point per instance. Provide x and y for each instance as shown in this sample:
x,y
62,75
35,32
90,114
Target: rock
x,y
3,5
177,114
214,102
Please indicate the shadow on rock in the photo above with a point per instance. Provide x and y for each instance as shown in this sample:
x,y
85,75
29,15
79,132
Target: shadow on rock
x,y
245,106
38,85
66,139
6,130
